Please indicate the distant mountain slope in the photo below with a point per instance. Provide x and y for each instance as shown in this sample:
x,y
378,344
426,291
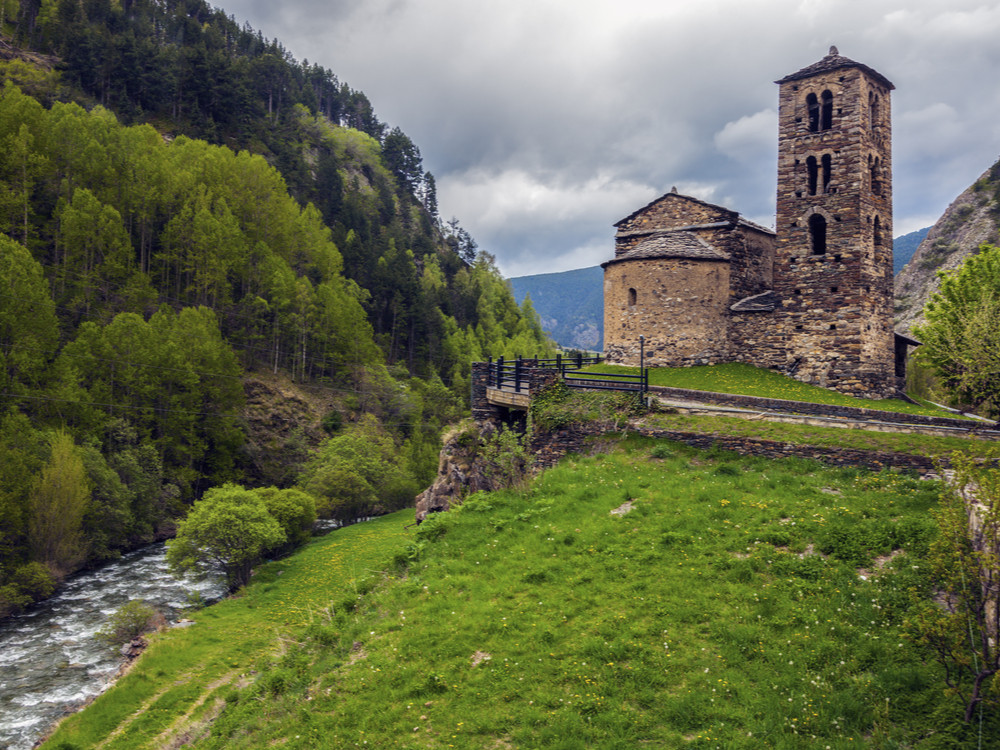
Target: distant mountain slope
x,y
570,305
972,219
904,247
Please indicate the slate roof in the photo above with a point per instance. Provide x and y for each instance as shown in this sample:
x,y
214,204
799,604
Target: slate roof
x,y
730,217
836,61
673,244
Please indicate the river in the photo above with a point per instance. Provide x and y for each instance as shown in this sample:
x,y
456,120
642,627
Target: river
x,y
50,662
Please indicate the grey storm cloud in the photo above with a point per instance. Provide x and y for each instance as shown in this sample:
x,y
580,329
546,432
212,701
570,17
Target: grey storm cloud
x,y
545,121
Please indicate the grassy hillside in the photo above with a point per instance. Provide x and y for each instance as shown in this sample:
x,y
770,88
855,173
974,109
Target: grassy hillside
x,y
655,596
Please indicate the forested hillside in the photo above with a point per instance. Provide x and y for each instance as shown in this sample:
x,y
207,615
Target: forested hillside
x,y
570,304
186,210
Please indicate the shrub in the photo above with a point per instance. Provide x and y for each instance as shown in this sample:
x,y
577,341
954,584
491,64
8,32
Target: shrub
x,y
129,621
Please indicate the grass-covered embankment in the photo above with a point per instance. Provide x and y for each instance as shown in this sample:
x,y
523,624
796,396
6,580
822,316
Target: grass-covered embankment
x,y
185,673
747,380
727,609
934,446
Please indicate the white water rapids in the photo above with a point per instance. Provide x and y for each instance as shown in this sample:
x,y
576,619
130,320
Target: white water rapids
x,y
50,662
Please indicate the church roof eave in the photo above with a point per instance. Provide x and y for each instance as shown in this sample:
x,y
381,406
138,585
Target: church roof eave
x,y
835,61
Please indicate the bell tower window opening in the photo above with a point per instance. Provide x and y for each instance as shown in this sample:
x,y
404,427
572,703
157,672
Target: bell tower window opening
x,y
827,162
876,181
826,114
877,232
812,104
873,110
813,171
817,234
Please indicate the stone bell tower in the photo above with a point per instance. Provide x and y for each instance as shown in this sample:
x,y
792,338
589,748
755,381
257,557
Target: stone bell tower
x,y
833,261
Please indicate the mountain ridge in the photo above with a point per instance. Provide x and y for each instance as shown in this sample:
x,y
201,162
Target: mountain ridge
x,y
969,221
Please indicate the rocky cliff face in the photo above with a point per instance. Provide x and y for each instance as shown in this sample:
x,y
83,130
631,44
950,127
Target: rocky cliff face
x,y
972,219
460,470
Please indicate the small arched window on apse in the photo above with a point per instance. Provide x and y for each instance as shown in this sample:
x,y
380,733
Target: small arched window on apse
x,y
812,170
817,234
631,297
827,162
812,104
826,114
877,232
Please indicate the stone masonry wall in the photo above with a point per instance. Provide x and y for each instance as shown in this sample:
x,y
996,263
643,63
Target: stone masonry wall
x,y
752,262
672,211
835,320
681,308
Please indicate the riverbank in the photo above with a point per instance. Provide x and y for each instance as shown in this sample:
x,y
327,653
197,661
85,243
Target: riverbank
x,y
656,595
50,662
184,673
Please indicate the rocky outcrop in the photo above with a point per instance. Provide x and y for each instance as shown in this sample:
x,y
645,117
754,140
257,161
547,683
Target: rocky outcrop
x,y
972,219
460,473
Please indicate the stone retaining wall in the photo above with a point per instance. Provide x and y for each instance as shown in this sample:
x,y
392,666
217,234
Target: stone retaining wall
x,y
828,410
549,447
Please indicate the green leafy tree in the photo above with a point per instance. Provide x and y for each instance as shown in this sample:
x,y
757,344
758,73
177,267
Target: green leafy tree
x,y
958,625
961,338
294,510
28,326
229,529
358,473
59,500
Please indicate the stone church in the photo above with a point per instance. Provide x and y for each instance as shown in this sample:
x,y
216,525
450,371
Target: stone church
x,y
813,299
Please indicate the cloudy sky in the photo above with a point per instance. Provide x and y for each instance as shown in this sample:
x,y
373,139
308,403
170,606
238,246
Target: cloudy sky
x,y
546,121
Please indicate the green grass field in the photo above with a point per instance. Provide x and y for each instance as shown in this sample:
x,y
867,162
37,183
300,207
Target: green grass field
x,y
728,602
748,380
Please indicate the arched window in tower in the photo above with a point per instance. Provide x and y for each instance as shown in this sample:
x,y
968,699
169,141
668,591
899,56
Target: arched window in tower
x,y
812,171
812,104
827,170
826,115
817,234
873,106
877,232
631,297
875,167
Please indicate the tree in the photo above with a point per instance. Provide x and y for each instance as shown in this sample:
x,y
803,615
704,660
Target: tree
x,y
959,625
230,529
59,500
357,472
28,326
295,512
402,158
961,338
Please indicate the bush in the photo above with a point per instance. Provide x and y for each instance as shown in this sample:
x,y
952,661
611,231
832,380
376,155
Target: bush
x,y
28,584
129,621
506,459
558,406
